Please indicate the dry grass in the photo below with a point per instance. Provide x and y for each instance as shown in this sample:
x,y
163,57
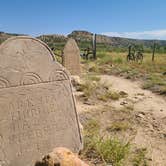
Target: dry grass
x,y
94,90
152,73
103,150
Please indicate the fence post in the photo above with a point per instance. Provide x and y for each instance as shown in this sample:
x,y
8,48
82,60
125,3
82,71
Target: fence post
x,y
154,48
94,46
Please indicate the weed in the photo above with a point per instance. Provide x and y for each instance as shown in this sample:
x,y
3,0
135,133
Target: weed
x,y
116,63
92,127
118,60
114,96
107,59
93,78
87,88
93,68
140,157
119,126
108,150
112,151
94,89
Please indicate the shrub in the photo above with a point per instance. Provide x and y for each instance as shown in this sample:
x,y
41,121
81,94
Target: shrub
x,y
108,150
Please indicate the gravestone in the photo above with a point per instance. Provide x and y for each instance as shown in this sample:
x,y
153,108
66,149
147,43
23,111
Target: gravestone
x,y
71,57
37,106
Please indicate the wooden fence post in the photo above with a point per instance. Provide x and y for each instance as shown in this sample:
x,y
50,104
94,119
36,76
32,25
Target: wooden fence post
x,y
154,48
94,46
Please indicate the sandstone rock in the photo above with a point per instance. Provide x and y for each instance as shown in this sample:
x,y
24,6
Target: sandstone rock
x,y
75,80
61,157
71,57
37,105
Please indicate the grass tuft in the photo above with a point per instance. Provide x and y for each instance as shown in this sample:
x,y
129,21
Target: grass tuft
x,y
108,150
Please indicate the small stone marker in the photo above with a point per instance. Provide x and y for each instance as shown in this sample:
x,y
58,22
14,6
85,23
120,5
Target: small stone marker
x,y
71,57
37,107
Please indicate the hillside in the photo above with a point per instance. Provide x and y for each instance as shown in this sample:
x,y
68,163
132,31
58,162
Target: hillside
x,y
84,39
4,36
117,42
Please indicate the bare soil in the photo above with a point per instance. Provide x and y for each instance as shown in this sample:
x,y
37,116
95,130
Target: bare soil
x,y
144,111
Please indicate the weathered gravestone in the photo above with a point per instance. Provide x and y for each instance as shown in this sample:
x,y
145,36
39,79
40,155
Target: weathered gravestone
x,y
71,57
37,107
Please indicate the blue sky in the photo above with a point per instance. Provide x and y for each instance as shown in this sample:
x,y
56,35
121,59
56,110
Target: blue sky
x,y
125,18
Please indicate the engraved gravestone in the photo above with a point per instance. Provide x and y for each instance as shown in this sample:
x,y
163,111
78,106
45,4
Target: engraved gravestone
x,y
37,107
71,57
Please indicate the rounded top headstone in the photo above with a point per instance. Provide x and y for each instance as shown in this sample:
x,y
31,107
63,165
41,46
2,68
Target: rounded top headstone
x,y
37,106
21,55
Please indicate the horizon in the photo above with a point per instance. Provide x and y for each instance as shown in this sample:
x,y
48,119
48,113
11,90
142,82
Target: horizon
x,y
85,31
114,18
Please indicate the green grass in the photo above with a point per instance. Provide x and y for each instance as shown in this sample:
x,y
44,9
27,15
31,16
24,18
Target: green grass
x,y
150,72
93,89
88,89
140,157
109,95
119,126
106,150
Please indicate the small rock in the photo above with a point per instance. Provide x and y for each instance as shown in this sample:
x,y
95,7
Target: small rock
x,y
140,115
140,94
123,93
75,80
88,103
123,103
61,157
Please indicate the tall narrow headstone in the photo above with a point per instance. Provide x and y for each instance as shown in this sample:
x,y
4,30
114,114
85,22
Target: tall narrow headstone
x,y
37,106
71,57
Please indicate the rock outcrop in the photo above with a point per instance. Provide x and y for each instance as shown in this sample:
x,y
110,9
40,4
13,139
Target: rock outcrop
x,y
61,157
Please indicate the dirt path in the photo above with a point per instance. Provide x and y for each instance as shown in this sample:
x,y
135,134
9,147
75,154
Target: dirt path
x,y
150,110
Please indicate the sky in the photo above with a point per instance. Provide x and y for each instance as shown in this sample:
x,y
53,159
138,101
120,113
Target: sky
x,y
141,19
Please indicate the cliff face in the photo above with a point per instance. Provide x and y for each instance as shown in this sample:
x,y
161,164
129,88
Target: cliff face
x,y
81,35
114,41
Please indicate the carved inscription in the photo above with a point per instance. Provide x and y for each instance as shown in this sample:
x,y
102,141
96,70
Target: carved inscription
x,y
37,108
37,121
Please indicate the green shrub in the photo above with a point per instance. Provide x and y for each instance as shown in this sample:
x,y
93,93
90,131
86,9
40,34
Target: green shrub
x,y
108,150
140,157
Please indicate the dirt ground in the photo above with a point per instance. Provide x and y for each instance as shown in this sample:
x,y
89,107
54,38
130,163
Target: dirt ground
x,y
147,116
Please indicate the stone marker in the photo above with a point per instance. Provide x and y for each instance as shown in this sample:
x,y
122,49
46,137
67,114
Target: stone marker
x,y
37,107
71,57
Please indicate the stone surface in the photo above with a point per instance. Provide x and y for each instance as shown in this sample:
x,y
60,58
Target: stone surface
x,y
37,106
61,157
71,57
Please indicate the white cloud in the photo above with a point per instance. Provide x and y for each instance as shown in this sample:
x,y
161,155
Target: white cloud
x,y
154,34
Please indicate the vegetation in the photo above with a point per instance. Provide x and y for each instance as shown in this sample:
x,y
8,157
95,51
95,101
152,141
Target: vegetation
x,y
106,150
153,74
106,144
139,158
93,89
104,43
119,126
